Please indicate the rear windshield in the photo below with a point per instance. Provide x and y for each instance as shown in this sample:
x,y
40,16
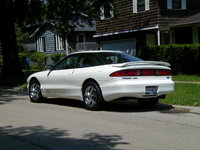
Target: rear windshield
x,y
115,58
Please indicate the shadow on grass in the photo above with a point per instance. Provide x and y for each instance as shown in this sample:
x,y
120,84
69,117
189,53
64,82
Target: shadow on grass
x,y
56,139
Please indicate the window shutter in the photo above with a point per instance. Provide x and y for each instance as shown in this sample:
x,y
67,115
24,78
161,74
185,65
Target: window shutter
x,y
56,37
37,46
134,6
102,13
147,5
43,44
169,4
184,4
111,11
55,42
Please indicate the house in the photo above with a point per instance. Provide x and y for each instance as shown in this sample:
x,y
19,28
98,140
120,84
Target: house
x,y
45,39
129,25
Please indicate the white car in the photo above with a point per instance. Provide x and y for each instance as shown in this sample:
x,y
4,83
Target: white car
x,y
96,77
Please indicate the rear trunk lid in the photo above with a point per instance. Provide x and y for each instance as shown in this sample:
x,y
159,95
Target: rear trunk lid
x,y
142,63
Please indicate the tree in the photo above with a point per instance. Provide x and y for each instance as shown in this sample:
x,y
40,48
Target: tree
x,y
12,12
29,14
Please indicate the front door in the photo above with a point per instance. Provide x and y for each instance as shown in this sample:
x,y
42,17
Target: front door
x,y
59,80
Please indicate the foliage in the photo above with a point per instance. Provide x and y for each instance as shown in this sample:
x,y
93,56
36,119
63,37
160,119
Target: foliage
x,y
40,59
29,15
183,58
57,57
23,60
1,58
65,15
20,37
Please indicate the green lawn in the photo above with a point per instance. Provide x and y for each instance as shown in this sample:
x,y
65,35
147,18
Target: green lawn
x,y
184,94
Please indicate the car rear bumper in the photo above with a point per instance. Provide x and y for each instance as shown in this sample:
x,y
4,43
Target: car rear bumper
x,y
136,89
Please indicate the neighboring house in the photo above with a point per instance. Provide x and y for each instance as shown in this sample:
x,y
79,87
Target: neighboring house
x,y
129,25
44,39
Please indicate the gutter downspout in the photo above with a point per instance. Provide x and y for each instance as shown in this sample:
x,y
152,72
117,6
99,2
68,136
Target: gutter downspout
x,y
158,36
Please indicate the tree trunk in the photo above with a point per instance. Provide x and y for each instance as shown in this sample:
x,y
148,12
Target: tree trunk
x,y
11,66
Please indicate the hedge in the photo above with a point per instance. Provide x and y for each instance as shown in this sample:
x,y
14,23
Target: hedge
x,y
184,59
40,59
57,57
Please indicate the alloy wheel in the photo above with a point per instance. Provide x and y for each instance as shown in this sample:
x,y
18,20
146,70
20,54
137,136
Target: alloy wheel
x,y
90,96
34,91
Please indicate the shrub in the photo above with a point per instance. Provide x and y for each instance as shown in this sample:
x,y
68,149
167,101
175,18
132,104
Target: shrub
x,y
57,57
40,59
22,60
183,58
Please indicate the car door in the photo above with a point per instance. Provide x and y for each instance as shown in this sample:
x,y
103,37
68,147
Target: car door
x,y
59,81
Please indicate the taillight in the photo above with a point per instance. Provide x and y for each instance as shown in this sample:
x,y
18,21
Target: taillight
x,y
163,73
123,73
141,72
147,72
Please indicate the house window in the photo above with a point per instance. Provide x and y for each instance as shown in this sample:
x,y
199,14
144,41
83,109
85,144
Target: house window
x,y
106,11
59,43
166,38
80,38
176,4
41,44
140,6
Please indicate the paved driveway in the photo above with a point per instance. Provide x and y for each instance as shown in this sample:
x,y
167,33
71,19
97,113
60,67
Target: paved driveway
x,y
63,124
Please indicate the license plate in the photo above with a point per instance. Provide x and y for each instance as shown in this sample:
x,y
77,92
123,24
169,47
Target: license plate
x,y
151,90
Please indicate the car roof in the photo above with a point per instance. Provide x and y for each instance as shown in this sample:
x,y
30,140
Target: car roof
x,y
98,51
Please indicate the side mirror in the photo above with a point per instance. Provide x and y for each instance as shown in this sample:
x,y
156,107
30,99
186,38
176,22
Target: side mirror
x,y
49,67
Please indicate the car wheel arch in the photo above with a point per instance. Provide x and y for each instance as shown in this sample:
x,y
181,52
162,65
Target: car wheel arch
x,y
34,91
92,95
33,79
89,80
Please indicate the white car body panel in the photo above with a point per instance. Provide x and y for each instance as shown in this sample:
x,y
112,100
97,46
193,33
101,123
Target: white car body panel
x,y
68,83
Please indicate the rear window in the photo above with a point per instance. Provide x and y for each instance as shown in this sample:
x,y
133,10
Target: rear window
x,y
115,58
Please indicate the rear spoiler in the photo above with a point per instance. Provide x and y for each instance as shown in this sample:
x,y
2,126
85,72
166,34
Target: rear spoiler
x,y
136,63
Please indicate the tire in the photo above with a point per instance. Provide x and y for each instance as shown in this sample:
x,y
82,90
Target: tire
x,y
149,102
92,96
35,94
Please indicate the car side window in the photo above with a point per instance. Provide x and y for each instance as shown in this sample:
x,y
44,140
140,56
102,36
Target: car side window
x,y
67,63
88,60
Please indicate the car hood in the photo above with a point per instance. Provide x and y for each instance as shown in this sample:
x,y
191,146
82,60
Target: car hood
x,y
137,63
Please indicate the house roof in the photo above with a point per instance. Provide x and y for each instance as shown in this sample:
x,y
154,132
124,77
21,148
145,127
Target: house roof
x,y
126,31
194,19
40,28
81,25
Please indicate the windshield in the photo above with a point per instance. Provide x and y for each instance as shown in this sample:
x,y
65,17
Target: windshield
x,y
116,57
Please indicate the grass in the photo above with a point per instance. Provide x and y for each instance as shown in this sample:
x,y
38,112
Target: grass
x,y
192,78
184,94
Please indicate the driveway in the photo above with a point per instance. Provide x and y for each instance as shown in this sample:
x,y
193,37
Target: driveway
x,y
61,124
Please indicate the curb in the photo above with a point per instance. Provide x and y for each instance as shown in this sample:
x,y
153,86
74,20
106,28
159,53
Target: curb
x,y
191,109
